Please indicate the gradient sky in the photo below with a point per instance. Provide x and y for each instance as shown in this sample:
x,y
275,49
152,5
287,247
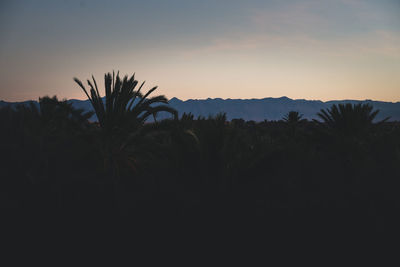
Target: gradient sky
x,y
311,49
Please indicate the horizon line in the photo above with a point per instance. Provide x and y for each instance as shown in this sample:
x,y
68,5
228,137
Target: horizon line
x,y
219,98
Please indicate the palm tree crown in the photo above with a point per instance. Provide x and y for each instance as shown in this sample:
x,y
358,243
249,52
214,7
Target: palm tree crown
x,y
292,117
124,106
349,118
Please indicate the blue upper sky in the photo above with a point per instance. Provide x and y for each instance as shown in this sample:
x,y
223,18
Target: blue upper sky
x,y
311,49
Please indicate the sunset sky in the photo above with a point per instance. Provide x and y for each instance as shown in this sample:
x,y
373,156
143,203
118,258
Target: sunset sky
x,y
311,49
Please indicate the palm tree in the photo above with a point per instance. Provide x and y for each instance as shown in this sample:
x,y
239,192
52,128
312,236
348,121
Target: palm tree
x,y
348,118
292,117
60,115
122,116
44,129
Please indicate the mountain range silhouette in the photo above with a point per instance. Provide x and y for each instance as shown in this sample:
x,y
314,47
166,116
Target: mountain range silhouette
x,y
252,109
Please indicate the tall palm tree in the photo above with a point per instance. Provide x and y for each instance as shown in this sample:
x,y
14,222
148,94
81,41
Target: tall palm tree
x,y
122,115
348,118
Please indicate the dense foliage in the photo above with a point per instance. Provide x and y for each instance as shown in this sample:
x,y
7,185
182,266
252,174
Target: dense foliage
x,y
343,170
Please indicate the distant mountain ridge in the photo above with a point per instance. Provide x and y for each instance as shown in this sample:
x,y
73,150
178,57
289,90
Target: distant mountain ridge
x,y
253,109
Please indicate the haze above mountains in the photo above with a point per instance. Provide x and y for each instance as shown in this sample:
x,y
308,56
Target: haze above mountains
x,y
253,109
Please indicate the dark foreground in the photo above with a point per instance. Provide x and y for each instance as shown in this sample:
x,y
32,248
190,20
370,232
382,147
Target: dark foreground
x,y
290,176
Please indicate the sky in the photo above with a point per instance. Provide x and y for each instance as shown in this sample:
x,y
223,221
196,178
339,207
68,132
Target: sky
x,y
302,49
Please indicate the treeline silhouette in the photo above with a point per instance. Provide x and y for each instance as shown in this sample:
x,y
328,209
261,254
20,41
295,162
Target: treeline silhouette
x,y
342,170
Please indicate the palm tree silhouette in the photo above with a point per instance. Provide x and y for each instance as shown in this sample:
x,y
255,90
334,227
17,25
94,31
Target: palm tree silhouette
x,y
292,117
60,115
42,128
348,118
122,116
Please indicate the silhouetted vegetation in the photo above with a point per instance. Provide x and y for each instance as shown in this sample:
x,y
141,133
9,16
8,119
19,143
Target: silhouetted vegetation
x,y
340,171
